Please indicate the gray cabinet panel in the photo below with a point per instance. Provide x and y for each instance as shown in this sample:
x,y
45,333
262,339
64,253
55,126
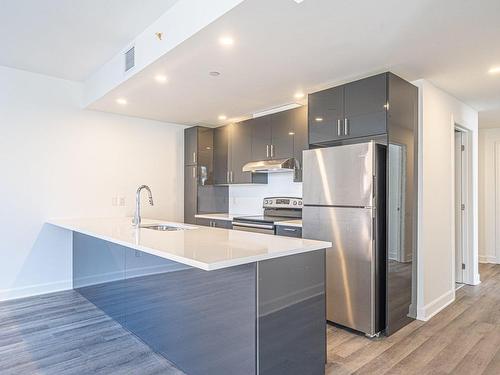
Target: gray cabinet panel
x,y
205,155
282,133
190,193
226,224
300,140
260,138
365,107
213,199
240,152
190,146
221,155
326,113
282,230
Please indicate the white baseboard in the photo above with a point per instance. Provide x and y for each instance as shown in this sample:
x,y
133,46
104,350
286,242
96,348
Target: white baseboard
x,y
428,311
488,259
35,290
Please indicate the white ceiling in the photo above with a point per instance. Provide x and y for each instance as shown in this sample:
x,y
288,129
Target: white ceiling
x,y
282,47
70,39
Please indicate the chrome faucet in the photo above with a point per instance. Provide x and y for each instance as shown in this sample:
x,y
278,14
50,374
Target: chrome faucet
x,y
137,216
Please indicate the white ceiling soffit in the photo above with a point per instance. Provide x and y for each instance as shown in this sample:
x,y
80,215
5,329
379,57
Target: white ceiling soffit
x,y
184,19
281,47
71,39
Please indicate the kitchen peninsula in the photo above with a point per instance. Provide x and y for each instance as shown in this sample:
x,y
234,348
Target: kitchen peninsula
x,y
212,301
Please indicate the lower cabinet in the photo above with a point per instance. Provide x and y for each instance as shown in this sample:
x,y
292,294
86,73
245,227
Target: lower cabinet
x,y
287,231
226,224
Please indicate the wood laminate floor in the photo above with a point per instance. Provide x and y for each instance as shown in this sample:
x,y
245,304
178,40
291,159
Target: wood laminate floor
x,y
463,339
63,333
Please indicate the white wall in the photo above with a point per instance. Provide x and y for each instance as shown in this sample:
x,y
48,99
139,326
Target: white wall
x,y
489,194
247,199
439,112
60,161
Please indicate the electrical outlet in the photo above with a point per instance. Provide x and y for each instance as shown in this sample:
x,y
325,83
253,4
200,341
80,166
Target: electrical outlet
x,y
138,253
122,201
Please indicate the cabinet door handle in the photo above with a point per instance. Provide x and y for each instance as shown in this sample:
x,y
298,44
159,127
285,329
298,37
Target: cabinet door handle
x,y
194,172
267,151
346,126
289,230
231,176
194,157
272,151
227,177
339,126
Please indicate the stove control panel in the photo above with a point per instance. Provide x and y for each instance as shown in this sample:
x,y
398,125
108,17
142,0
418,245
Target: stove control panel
x,y
283,202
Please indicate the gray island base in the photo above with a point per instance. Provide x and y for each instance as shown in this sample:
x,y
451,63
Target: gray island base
x,y
265,317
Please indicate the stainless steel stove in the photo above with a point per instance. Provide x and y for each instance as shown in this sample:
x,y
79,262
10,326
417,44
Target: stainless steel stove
x,y
275,209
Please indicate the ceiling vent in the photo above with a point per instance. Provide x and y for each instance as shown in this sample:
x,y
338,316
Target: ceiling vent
x,y
129,59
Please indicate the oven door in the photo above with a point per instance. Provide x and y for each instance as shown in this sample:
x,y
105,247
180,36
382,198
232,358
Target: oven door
x,y
253,227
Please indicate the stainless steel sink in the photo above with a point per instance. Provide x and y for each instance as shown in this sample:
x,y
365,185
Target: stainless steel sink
x,y
161,227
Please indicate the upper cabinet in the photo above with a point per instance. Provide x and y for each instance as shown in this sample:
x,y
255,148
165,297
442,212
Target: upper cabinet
x,y
198,151
232,150
273,135
356,109
191,146
365,107
260,138
326,113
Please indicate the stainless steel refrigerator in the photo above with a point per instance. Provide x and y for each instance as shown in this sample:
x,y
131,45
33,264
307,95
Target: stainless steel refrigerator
x,y
344,202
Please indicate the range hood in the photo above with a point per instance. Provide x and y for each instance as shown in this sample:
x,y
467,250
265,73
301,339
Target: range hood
x,y
268,166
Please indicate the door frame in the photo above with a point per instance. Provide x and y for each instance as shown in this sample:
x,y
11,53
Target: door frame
x,y
496,156
467,200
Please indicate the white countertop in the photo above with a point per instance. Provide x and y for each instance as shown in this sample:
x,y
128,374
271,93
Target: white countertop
x,y
290,223
202,247
217,216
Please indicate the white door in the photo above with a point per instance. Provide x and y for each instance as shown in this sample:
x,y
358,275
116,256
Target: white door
x,y
459,207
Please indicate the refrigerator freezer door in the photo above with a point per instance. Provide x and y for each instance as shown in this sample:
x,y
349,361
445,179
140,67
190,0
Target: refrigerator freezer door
x,y
350,263
339,176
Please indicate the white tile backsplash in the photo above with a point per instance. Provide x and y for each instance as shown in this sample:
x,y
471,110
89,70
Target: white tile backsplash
x,y
247,199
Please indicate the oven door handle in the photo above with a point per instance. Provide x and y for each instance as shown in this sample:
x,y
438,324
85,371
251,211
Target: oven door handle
x,y
239,224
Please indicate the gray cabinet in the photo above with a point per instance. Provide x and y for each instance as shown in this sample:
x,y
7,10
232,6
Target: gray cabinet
x,y
300,141
190,193
326,115
200,196
365,103
282,134
191,146
215,223
354,110
289,231
260,138
232,150
273,135
240,151
221,155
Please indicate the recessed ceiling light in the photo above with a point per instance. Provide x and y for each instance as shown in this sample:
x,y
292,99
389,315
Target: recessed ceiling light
x,y
121,101
160,78
299,95
318,119
494,70
222,117
298,1
214,74
291,133
226,40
